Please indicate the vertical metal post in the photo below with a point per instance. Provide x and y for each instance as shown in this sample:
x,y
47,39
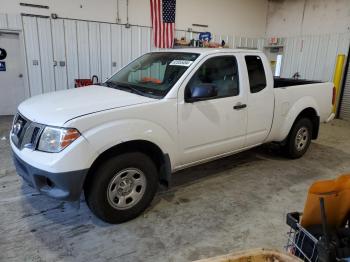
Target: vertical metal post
x,y
338,73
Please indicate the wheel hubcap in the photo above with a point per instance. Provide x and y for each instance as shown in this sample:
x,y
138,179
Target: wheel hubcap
x,y
301,138
126,188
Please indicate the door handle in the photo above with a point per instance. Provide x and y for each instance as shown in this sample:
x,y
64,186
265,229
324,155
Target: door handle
x,y
239,106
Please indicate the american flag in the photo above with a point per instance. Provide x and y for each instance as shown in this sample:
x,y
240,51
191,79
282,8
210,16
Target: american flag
x,y
163,22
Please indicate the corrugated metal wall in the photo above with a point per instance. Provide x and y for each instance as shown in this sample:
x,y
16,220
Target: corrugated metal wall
x,y
313,57
61,50
10,22
345,101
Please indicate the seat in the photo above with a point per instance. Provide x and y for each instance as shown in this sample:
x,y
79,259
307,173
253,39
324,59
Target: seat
x,y
336,195
227,81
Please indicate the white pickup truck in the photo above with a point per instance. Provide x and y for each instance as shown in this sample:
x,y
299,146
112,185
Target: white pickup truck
x,y
163,112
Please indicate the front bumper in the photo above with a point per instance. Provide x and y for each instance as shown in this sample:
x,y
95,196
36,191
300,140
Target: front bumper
x,y
65,186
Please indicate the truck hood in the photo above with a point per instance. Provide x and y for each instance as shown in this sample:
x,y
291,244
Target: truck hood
x,y
59,107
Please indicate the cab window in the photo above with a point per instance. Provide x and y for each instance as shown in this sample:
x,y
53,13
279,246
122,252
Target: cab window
x,y
256,73
220,71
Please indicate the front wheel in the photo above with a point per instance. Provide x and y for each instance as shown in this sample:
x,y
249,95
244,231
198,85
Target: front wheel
x,y
122,187
299,138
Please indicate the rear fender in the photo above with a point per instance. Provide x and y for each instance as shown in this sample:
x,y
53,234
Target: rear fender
x,y
289,116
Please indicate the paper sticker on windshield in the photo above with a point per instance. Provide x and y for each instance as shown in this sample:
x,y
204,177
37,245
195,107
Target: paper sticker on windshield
x,y
186,63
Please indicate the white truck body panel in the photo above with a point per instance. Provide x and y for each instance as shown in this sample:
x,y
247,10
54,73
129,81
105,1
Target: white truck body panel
x,y
56,108
290,101
189,133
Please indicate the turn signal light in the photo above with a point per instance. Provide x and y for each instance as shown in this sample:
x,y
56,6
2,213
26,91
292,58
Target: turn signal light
x,y
69,136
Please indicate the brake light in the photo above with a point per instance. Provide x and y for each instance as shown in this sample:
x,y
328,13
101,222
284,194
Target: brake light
x,y
334,96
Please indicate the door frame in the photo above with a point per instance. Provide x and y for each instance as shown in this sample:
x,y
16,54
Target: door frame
x,y
180,91
22,54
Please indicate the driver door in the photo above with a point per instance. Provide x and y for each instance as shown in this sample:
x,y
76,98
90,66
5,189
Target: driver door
x,y
217,125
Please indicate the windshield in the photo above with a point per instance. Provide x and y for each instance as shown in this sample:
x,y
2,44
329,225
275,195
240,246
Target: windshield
x,y
152,74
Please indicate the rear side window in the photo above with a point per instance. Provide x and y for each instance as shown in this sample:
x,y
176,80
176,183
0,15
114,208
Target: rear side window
x,y
256,73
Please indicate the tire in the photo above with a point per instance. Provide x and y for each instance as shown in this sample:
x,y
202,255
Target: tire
x,y
117,180
299,138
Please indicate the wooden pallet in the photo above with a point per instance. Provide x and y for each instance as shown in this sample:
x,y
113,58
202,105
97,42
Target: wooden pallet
x,y
254,255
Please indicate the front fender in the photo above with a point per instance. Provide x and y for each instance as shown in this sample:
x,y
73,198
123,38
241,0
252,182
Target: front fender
x,y
108,135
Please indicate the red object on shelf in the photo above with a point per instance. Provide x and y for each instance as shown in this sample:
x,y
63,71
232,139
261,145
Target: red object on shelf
x,y
82,82
85,82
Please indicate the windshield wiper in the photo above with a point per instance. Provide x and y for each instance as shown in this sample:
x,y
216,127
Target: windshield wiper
x,y
124,86
131,88
110,84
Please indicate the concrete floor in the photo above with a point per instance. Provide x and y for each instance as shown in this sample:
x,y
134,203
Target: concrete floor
x,y
232,204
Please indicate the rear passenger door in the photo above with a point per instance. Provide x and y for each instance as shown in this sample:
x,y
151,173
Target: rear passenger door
x,y
260,99
216,125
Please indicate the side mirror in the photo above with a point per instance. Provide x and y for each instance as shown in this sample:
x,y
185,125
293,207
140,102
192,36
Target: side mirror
x,y
201,92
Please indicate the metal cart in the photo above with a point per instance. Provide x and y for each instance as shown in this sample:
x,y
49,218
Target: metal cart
x,y
300,243
318,243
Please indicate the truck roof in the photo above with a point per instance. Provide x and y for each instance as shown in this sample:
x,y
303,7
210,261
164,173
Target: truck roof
x,y
209,50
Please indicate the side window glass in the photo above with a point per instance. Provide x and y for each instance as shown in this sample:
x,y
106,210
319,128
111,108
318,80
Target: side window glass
x,y
222,72
256,73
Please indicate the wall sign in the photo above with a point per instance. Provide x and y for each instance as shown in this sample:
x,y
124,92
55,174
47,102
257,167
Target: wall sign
x,y
3,53
2,66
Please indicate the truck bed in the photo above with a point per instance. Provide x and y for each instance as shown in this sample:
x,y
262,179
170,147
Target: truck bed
x,y
295,94
284,82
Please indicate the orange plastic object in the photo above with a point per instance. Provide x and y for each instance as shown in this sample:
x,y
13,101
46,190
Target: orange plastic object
x,y
336,195
150,79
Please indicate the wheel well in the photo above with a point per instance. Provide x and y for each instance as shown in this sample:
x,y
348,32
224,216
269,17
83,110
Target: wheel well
x,y
311,114
161,160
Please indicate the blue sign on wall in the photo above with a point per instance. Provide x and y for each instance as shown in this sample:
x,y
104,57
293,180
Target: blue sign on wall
x,y
2,66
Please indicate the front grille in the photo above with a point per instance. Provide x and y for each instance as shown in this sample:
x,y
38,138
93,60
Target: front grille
x,y
27,135
24,122
34,135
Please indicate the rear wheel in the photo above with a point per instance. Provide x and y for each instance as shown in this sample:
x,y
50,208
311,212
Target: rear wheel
x,y
299,138
122,187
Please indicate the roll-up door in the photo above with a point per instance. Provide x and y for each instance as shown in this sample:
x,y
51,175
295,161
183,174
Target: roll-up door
x,y
345,100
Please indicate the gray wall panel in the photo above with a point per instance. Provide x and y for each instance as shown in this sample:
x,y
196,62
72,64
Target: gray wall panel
x,y
95,49
90,48
146,40
14,22
136,42
331,57
313,57
32,55
70,27
321,57
126,45
59,54
116,36
3,21
83,49
46,54
106,51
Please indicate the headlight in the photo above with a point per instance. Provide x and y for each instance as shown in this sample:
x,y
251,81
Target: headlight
x,y
54,139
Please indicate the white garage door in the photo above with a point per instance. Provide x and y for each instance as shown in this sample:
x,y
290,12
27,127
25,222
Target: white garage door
x,y
345,103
